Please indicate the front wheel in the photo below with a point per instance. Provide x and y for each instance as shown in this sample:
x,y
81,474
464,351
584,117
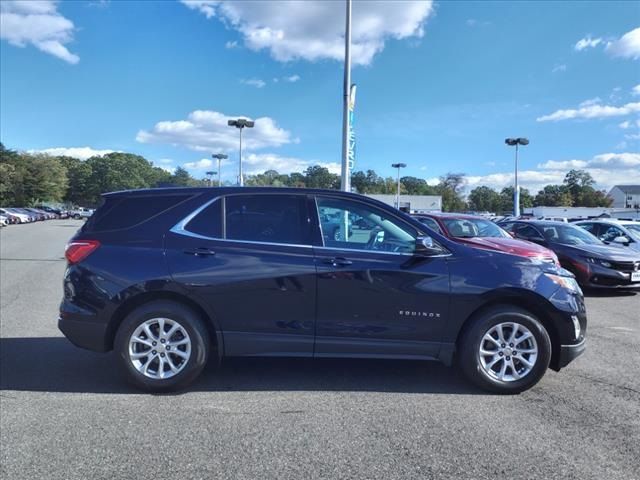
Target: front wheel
x,y
162,346
505,350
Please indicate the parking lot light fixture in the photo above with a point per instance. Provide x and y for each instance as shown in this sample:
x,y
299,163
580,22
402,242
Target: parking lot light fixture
x,y
210,177
241,124
514,142
398,166
219,157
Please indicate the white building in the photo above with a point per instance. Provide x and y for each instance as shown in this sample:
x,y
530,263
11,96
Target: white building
x,y
625,196
412,203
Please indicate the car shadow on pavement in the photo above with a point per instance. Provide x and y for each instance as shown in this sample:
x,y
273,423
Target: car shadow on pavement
x,y
52,364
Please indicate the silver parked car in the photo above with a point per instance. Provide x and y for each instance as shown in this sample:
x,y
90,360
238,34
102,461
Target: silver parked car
x,y
619,232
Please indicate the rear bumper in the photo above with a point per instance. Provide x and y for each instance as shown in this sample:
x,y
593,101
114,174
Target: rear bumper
x,y
569,353
84,334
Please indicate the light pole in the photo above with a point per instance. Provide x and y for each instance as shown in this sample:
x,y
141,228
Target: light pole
x,y
219,157
240,124
210,177
398,166
516,190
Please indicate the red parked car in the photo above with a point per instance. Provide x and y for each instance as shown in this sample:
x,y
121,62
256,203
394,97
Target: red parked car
x,y
482,233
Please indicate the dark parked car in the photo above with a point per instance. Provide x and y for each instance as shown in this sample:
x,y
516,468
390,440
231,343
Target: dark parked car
x,y
168,277
595,264
483,233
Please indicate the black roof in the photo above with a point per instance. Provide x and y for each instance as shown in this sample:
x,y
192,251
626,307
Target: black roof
x,y
224,191
629,189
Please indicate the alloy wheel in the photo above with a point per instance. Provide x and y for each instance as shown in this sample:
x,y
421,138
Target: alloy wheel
x,y
508,352
159,348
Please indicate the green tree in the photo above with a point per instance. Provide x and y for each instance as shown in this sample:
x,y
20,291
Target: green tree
x,y
320,177
506,199
554,196
483,199
450,188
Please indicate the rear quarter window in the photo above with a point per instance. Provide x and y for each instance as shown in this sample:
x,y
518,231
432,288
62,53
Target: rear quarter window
x,y
118,213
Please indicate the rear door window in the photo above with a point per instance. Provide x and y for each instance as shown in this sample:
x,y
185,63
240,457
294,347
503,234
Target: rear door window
x,y
208,222
267,218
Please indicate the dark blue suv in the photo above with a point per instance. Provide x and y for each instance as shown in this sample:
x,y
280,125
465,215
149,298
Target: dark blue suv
x,y
169,277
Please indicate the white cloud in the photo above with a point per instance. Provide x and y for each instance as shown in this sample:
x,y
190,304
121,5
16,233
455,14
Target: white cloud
x,y
625,125
255,163
607,169
559,68
591,111
635,91
627,46
207,131
291,79
201,164
206,7
587,42
604,160
165,161
77,152
37,23
261,162
254,82
314,30
231,45
591,101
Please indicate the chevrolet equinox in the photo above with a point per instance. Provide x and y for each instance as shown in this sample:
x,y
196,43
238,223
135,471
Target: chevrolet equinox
x,y
169,277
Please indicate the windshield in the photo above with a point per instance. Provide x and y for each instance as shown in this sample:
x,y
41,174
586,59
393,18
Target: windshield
x,y
569,235
473,227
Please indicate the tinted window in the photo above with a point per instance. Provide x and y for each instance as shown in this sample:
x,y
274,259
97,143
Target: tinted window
x,y
473,227
589,227
431,223
208,222
382,231
609,233
569,235
527,231
124,212
267,218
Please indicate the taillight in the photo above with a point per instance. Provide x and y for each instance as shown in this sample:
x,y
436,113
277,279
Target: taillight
x,y
78,250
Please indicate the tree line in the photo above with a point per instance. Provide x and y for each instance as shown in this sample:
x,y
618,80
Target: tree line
x,y
31,178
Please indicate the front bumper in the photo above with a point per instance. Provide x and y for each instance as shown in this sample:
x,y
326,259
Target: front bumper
x,y
601,277
569,353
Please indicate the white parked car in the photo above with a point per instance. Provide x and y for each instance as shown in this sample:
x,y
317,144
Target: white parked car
x,y
3,221
81,212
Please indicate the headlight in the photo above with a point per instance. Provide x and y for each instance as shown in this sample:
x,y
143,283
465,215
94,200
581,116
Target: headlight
x,y
568,283
598,261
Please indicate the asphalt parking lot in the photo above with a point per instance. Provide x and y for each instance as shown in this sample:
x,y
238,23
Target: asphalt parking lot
x,y
66,413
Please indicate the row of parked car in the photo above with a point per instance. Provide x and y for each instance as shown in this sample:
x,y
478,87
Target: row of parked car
x,y
601,253
15,215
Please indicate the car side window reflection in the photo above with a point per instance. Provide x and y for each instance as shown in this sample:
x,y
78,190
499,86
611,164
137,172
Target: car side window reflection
x,y
353,225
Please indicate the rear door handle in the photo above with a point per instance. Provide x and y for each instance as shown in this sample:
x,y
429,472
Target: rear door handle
x,y
338,261
200,252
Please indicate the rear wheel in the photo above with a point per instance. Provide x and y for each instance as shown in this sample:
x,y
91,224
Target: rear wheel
x,y
505,350
162,346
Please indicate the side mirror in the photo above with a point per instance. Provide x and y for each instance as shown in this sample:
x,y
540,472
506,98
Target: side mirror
x,y
621,240
426,247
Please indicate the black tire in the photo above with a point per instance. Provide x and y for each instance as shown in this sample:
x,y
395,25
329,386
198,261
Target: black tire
x,y
469,349
192,324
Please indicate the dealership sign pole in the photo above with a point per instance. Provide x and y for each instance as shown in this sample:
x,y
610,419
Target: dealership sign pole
x,y
345,181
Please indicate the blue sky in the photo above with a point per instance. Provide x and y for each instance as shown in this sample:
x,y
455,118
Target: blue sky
x,y
440,85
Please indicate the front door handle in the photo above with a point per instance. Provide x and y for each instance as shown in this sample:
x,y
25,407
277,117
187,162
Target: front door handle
x,y
200,252
338,261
